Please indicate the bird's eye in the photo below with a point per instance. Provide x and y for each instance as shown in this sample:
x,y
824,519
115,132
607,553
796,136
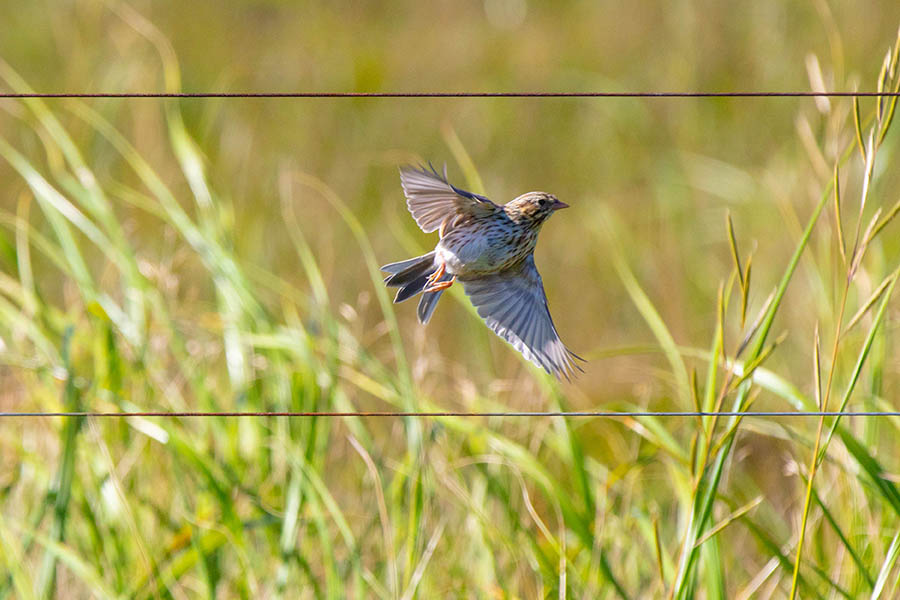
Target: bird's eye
x,y
542,201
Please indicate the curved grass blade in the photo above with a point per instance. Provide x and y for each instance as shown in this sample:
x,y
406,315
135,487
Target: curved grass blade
x,y
886,567
709,483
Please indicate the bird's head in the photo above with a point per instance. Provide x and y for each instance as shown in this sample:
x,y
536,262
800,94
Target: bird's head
x,y
533,207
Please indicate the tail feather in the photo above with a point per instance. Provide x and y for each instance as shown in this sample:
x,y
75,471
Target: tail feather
x,y
429,301
397,267
412,288
411,276
405,277
423,265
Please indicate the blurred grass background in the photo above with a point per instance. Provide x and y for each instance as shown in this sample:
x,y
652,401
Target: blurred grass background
x,y
222,255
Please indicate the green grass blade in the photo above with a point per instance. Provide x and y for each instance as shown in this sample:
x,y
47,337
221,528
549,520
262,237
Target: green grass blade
x,y
861,360
703,502
11,557
645,307
886,567
857,560
76,565
463,159
65,476
873,469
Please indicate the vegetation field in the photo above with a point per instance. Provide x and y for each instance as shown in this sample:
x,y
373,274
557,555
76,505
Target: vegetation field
x,y
222,254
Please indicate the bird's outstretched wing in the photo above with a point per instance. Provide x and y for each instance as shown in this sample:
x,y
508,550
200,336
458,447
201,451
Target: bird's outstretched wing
x,y
514,306
432,200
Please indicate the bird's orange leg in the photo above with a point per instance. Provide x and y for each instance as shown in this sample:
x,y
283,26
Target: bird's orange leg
x,y
438,273
440,285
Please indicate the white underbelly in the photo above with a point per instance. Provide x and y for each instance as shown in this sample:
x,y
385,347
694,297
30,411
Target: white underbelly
x,y
474,257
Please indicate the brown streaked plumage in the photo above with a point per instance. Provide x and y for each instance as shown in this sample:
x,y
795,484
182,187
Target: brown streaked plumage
x,y
489,248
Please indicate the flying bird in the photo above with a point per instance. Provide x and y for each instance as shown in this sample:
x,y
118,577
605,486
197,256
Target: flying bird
x,y
489,249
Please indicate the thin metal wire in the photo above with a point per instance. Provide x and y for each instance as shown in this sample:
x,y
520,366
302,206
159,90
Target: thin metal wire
x,y
739,94
438,414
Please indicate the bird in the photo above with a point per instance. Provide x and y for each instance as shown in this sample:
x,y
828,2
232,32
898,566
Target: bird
x,y
489,249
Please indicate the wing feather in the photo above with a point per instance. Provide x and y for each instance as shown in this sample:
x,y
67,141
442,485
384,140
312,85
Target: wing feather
x,y
432,199
514,306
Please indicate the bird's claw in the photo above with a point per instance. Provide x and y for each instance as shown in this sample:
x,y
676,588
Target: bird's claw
x,y
440,285
438,273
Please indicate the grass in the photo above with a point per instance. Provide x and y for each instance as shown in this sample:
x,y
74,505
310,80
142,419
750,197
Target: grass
x,y
190,256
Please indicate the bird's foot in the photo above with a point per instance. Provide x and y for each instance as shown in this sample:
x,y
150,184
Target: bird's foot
x,y
438,273
440,285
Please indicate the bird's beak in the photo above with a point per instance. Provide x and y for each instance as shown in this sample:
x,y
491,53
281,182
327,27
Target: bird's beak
x,y
559,204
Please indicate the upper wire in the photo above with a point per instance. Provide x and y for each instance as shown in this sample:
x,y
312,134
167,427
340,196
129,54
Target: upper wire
x,y
672,94
439,414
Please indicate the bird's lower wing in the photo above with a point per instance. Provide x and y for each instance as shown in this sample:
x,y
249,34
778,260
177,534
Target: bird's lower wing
x,y
432,200
513,304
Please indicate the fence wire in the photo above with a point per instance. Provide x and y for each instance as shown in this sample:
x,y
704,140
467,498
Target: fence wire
x,y
651,94
440,414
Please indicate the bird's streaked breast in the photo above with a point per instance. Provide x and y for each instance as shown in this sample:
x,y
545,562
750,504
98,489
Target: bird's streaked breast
x,y
485,246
